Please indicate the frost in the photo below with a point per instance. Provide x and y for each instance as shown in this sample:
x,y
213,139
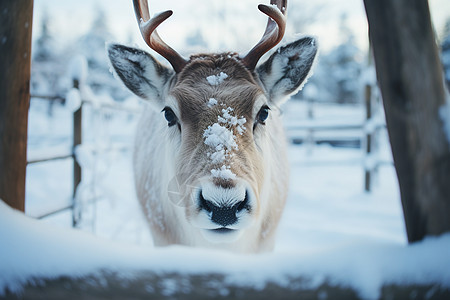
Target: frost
x,y
212,102
84,154
370,162
73,100
230,120
374,123
220,137
217,79
444,113
224,172
218,156
276,6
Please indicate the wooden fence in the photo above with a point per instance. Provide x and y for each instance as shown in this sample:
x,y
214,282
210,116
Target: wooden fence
x,y
77,139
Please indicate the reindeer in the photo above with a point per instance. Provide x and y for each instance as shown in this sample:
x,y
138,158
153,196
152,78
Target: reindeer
x,y
210,161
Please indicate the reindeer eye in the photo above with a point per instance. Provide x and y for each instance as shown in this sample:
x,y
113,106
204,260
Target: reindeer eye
x,y
263,114
170,116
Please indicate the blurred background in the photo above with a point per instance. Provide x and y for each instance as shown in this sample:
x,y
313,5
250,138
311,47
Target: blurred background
x,y
343,182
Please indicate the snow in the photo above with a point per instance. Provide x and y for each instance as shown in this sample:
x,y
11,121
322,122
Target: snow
x,y
230,120
374,123
217,79
365,265
73,100
276,6
212,102
220,137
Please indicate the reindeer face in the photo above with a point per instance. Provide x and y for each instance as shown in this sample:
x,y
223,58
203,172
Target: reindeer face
x,y
220,114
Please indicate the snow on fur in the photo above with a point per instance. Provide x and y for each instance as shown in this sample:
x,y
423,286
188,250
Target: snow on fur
x,y
212,102
221,138
217,79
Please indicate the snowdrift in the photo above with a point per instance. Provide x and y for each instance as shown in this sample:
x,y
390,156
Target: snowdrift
x,y
38,260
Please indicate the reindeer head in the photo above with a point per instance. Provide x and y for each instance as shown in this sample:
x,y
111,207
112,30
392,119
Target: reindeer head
x,y
221,118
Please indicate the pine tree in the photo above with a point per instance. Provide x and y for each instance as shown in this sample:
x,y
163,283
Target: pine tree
x,y
345,67
46,69
92,47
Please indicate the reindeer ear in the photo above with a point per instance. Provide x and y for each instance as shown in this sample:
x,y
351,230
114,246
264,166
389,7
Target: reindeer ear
x,y
140,72
287,69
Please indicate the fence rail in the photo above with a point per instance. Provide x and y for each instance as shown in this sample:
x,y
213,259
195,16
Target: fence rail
x,y
50,158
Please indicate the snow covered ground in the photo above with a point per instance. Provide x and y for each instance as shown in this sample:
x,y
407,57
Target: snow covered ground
x,y
331,227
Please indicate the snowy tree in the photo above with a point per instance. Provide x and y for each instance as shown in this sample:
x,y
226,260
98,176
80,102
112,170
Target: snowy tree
x,y
345,67
196,40
92,47
323,85
337,73
44,47
303,14
47,68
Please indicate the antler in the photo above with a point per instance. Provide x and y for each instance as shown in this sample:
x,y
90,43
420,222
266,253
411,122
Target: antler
x,y
273,34
148,26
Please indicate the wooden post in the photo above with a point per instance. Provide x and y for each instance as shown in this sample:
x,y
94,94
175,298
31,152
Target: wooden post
x,y
310,142
15,61
77,139
368,169
409,73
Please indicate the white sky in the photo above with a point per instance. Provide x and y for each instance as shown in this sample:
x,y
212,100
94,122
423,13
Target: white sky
x,y
71,18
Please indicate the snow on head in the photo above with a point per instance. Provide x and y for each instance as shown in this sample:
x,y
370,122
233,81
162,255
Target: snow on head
x,y
221,138
231,120
217,79
212,102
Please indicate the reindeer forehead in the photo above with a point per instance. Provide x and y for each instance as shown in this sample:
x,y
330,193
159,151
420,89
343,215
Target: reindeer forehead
x,y
210,83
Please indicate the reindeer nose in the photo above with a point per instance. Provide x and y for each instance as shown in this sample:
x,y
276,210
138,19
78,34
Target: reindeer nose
x,y
223,215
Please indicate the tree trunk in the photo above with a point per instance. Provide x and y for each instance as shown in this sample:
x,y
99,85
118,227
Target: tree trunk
x,y
15,60
412,86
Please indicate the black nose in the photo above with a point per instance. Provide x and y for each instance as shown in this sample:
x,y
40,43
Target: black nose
x,y
223,215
